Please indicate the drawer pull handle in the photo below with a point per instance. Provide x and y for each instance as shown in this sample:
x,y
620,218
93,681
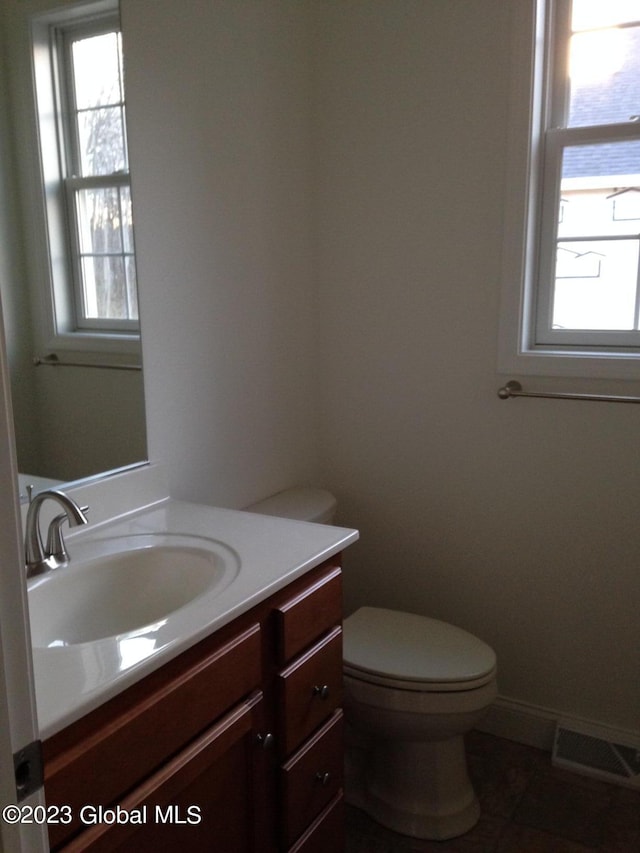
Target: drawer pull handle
x,y
265,741
323,778
321,691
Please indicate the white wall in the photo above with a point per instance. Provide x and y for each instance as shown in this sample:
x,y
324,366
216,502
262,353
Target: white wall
x,y
93,420
219,109
517,520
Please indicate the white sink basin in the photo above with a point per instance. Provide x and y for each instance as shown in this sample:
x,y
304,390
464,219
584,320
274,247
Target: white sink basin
x,y
127,585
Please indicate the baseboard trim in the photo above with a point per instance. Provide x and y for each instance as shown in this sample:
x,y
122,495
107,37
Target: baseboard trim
x,y
536,726
522,722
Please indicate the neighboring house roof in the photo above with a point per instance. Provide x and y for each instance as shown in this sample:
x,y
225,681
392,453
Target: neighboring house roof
x,y
613,100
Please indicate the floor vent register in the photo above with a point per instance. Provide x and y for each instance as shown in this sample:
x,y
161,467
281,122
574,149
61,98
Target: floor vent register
x,y
596,752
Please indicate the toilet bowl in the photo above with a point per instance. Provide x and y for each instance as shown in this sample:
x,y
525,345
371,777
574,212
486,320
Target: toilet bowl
x,y
413,687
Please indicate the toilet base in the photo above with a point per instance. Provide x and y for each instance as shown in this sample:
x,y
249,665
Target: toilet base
x,y
421,789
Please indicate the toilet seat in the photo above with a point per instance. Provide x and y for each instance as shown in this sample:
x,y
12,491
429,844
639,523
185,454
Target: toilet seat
x,y
411,652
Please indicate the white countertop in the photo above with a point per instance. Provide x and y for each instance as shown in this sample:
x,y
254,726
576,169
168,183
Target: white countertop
x,y
271,552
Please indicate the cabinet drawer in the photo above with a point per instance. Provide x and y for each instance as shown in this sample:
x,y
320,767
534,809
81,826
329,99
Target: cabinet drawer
x,y
144,733
326,833
312,777
309,690
308,615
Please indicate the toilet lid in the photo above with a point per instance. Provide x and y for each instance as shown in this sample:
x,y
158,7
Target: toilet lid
x,y
414,652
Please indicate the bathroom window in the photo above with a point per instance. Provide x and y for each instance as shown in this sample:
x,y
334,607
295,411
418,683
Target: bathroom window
x,y
572,243
78,66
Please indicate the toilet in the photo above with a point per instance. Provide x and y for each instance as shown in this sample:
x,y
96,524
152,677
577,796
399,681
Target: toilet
x,y
303,503
413,687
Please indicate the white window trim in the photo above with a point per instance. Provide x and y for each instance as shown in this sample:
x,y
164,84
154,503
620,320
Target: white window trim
x,y
517,353
47,230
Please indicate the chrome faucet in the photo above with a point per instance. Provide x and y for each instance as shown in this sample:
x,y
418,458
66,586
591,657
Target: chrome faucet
x,y
38,559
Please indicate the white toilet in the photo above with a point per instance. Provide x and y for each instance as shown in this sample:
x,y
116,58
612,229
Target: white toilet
x,y
413,687
303,503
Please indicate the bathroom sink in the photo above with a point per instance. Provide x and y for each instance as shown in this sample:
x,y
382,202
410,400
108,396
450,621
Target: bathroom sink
x,y
126,585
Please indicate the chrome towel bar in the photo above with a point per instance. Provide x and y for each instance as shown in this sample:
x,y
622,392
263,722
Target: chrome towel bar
x,y
514,389
53,361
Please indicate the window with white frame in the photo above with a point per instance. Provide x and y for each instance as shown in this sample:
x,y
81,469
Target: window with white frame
x,y
573,245
78,65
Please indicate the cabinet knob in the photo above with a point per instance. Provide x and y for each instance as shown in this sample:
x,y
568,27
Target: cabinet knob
x,y
266,741
323,778
321,690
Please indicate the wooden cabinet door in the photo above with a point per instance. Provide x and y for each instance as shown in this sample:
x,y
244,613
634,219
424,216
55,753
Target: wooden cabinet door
x,y
112,750
204,799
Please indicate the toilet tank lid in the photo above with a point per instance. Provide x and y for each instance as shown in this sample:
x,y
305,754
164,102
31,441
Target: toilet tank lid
x,y
302,503
413,648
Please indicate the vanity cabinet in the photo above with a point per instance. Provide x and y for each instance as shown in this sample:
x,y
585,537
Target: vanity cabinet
x,y
309,719
234,746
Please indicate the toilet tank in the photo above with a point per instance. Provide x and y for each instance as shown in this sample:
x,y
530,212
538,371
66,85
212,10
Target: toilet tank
x,y
302,503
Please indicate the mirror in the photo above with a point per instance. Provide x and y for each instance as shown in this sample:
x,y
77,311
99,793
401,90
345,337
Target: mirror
x,y
77,414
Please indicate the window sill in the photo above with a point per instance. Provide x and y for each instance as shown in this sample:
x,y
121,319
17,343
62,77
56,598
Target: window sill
x,y
93,350
572,363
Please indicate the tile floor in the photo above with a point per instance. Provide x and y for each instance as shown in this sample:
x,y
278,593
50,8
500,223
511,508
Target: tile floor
x,y
528,806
